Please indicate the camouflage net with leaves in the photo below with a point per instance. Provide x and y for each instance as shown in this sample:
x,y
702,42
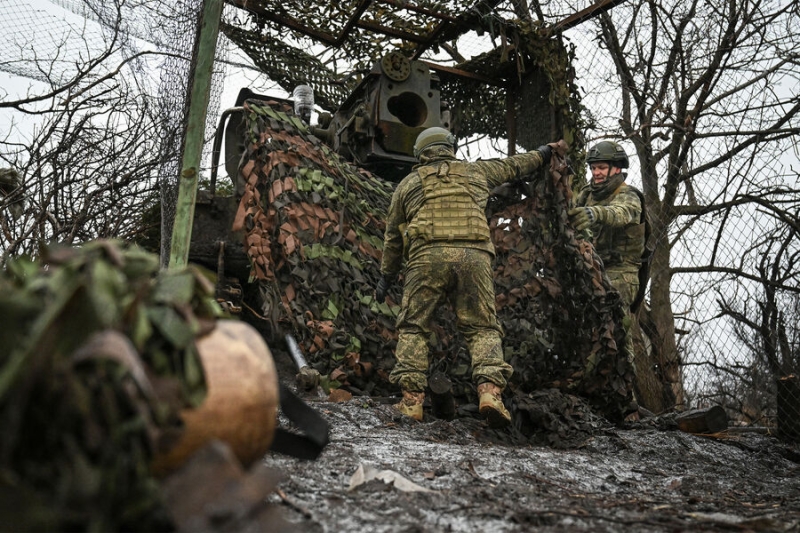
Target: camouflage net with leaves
x,y
537,65
97,358
562,318
314,227
532,60
356,52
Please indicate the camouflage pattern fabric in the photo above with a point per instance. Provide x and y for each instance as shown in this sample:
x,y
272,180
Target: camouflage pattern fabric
x,y
315,232
619,240
459,271
462,276
618,233
627,284
409,197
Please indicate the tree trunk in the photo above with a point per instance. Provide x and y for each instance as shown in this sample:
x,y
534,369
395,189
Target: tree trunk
x,y
658,324
648,387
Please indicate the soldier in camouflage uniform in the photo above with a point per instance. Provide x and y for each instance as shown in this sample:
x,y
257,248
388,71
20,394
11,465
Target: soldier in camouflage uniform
x,y
614,212
437,222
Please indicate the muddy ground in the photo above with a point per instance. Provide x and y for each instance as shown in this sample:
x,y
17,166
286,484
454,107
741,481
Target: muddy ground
x,y
462,477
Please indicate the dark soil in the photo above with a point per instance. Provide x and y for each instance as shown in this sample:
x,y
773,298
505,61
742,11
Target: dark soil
x,y
633,479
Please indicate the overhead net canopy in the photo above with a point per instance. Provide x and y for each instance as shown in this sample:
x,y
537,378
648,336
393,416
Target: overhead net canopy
x,y
502,76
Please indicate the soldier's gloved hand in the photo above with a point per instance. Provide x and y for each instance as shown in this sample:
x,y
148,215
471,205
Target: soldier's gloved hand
x,y
581,217
546,152
382,289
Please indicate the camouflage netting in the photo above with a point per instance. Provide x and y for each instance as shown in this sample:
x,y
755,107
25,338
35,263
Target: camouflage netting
x,y
561,316
537,68
97,358
314,228
533,62
294,66
283,54
315,223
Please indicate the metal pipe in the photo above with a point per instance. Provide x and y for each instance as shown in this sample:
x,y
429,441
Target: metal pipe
x,y
219,136
294,351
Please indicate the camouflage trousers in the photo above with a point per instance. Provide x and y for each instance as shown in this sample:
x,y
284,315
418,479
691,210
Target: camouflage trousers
x,y
627,284
464,277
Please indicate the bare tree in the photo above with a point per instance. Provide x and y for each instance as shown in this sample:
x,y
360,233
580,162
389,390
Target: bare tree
x,y
86,145
705,101
766,326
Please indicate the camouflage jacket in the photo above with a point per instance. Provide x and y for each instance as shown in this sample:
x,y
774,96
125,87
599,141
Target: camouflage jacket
x,y
619,233
410,197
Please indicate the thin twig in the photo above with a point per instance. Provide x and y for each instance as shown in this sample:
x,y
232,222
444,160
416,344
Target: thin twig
x,y
285,499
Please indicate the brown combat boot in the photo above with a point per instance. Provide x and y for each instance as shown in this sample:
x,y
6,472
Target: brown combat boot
x,y
411,405
491,405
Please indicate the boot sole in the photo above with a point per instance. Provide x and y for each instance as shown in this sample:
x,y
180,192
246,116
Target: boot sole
x,y
495,418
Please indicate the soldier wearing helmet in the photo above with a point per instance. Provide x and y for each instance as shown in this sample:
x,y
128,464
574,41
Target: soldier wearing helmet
x,y
614,213
437,221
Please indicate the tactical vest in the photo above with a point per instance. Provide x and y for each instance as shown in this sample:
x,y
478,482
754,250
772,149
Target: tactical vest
x,y
617,246
454,207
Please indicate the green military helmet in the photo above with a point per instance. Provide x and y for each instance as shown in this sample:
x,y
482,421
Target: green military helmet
x,y
608,151
432,137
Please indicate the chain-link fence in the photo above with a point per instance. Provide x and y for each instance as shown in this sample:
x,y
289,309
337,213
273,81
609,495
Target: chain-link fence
x,y
702,98
706,112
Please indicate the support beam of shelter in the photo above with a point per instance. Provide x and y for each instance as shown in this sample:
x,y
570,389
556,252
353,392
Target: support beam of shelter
x,y
585,14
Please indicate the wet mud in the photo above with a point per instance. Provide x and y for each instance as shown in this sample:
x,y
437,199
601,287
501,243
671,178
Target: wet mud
x,y
384,473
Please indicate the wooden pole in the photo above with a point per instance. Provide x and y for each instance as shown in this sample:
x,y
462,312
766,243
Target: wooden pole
x,y
200,90
709,420
789,407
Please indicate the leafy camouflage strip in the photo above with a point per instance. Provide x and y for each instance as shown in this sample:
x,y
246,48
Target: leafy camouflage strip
x,y
97,358
562,318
